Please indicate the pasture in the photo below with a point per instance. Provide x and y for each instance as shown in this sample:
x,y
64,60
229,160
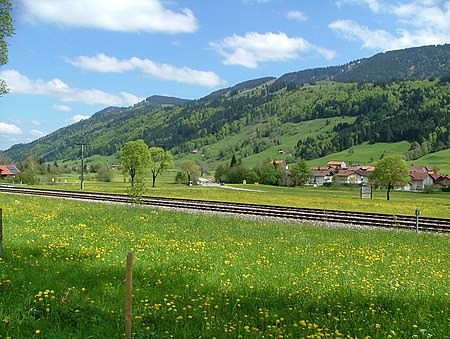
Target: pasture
x,y
435,204
63,272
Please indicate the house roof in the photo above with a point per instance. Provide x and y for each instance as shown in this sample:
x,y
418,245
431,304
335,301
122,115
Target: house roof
x,y
364,172
419,176
418,168
335,163
322,173
345,173
436,177
443,180
8,170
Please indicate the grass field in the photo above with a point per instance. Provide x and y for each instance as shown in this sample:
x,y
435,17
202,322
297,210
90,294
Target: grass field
x,y
364,154
62,276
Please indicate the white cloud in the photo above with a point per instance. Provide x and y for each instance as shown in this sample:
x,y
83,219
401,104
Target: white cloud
x,y
19,83
296,15
105,64
62,108
77,118
254,48
37,134
420,22
6,128
123,16
35,122
374,5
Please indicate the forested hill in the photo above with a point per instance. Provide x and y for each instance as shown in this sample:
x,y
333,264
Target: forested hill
x,y
247,119
416,63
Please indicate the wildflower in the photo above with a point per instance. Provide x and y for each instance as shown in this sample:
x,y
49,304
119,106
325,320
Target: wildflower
x,y
37,331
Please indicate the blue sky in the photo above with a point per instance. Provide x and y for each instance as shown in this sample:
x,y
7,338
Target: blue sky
x,y
70,59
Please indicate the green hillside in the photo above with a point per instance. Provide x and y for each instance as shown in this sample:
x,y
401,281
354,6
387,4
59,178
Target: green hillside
x,y
263,118
363,154
439,159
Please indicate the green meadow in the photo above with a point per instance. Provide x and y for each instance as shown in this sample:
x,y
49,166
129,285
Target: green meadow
x,y
196,276
434,204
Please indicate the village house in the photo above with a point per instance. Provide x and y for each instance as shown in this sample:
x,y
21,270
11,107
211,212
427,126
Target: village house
x,y
354,175
321,175
442,180
420,169
421,177
8,171
336,165
419,181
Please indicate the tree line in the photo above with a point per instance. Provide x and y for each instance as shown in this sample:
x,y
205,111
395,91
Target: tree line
x,y
269,172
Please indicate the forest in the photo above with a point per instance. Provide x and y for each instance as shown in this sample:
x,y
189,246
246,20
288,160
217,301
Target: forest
x,y
251,121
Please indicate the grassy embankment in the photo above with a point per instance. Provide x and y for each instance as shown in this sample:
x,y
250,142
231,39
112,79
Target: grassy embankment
x,y
62,276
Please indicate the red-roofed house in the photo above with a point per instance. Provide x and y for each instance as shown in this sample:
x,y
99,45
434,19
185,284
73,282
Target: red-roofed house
x,y
420,169
354,175
321,176
347,176
8,170
443,180
419,181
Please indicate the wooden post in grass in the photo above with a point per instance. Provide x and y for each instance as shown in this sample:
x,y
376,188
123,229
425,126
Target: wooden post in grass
x,y
1,234
128,294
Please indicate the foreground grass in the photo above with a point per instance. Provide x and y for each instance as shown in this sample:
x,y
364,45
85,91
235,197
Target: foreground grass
x,y
62,276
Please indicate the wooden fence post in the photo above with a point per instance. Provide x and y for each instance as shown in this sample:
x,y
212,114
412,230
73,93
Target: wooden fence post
x,y
1,233
128,295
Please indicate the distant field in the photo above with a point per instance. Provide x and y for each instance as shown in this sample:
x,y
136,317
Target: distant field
x,y
439,159
363,154
62,276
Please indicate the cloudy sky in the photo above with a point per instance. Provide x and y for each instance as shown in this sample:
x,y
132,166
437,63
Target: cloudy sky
x,y
70,59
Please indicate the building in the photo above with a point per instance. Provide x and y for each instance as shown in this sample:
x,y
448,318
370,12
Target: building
x,y
355,174
336,164
8,171
442,180
321,176
419,181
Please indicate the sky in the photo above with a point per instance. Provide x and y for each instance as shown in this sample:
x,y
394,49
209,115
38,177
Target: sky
x,y
69,59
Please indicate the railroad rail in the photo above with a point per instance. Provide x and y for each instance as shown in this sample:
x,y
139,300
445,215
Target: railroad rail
x,y
289,213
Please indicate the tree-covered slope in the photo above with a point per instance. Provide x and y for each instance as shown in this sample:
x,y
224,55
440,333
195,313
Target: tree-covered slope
x,y
256,115
414,111
416,63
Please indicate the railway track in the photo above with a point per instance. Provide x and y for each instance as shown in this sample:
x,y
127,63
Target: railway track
x,y
288,213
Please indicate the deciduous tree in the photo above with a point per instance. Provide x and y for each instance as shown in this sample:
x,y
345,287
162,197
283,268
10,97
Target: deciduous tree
x,y
390,171
6,30
134,158
300,173
160,162
191,170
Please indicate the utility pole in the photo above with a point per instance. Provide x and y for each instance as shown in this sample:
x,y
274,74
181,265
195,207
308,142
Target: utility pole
x,y
82,163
